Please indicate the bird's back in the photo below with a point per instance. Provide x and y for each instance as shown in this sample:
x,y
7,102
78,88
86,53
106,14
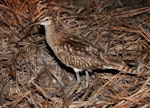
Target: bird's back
x,y
76,52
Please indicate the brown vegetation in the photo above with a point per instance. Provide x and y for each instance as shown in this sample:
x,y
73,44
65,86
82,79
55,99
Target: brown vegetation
x,y
29,75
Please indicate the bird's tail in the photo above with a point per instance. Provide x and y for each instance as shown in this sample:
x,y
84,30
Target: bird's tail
x,y
114,63
125,68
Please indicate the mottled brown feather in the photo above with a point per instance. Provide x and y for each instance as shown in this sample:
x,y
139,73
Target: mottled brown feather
x,y
76,52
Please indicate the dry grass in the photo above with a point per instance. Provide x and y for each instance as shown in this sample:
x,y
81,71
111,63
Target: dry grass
x,y
30,77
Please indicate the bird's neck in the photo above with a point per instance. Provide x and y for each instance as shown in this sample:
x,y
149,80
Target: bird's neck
x,y
50,28
51,34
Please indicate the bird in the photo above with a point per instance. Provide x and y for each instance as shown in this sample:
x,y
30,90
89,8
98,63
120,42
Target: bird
x,y
78,53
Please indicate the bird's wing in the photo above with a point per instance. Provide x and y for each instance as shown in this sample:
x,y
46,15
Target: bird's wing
x,y
78,53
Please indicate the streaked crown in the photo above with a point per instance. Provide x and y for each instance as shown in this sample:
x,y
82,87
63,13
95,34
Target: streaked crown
x,y
48,20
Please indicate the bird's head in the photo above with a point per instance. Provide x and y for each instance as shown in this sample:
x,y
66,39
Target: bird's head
x,y
48,20
44,20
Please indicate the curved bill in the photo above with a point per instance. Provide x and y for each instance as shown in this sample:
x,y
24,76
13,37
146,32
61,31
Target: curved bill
x,y
28,25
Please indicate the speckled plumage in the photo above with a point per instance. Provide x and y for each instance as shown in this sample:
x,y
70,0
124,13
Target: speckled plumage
x,y
77,53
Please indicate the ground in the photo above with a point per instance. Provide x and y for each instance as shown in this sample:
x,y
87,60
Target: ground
x,y
30,75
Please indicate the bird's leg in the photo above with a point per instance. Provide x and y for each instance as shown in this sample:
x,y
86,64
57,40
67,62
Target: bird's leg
x,y
78,78
87,78
77,74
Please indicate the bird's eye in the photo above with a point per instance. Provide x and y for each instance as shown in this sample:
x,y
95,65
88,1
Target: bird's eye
x,y
46,20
